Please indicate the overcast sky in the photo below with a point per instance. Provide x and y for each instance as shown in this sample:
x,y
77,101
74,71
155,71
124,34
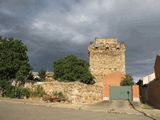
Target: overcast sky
x,y
52,29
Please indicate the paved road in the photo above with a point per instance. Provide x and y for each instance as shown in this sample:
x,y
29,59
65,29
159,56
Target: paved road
x,y
116,106
19,111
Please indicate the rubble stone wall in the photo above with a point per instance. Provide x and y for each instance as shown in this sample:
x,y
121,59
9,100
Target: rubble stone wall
x,y
74,92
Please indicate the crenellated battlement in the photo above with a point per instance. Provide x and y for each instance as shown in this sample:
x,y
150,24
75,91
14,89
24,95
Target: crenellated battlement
x,y
106,45
106,41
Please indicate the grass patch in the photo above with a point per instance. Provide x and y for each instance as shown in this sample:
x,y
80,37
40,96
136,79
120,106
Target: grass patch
x,y
146,106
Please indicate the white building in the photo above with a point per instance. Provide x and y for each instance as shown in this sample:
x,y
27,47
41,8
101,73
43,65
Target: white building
x,y
148,78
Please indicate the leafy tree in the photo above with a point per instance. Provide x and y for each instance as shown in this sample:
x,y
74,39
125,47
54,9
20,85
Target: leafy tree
x,y
140,82
14,62
42,74
23,72
127,81
71,68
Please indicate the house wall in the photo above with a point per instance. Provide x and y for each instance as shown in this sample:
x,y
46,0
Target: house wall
x,y
148,78
153,93
114,79
157,67
135,90
143,93
150,93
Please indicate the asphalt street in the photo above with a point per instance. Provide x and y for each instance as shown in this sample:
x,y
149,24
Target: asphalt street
x,y
17,111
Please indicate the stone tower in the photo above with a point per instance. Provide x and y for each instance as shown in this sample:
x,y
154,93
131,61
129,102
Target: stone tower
x,y
106,56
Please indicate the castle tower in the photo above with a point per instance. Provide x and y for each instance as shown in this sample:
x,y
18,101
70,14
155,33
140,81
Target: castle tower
x,y
106,56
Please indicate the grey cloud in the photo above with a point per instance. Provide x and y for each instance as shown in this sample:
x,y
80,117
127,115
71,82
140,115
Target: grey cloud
x,y
54,28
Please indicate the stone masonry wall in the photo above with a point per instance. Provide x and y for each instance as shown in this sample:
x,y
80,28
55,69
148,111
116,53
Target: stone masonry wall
x,y
106,56
74,92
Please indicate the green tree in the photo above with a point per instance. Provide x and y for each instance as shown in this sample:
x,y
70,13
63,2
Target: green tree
x,y
23,73
127,81
42,74
14,62
71,68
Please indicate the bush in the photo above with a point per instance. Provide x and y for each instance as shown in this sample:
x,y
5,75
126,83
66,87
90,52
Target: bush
x,y
59,95
38,92
7,90
71,68
5,85
26,92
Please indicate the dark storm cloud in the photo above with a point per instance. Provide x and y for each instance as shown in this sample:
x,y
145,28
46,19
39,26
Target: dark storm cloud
x,y
54,28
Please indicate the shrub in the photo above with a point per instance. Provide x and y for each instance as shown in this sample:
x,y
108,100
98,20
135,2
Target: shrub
x,y
8,90
71,68
5,85
26,92
38,92
59,95
15,92
12,92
